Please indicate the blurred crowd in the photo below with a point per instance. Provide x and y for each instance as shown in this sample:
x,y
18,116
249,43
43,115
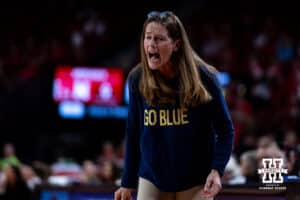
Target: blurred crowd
x,y
260,53
19,180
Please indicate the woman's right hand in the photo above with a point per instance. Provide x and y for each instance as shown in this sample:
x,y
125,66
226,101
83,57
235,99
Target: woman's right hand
x,y
123,194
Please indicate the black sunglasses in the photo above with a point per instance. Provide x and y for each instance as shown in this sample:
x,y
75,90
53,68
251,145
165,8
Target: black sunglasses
x,y
161,15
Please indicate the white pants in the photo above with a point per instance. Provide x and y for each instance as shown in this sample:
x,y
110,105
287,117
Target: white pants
x,y
148,191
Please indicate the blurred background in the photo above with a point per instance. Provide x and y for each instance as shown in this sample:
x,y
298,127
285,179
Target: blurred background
x,y
63,69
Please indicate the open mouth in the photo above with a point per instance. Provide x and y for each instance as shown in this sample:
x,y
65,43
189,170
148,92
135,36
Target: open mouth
x,y
154,55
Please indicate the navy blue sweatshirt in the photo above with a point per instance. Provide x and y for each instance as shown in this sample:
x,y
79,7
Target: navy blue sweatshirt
x,y
176,148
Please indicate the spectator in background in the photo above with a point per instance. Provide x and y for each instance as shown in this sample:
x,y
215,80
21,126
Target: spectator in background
x,y
107,153
15,187
290,148
66,168
9,156
30,177
89,173
181,147
42,170
249,166
268,148
232,173
2,182
108,173
119,161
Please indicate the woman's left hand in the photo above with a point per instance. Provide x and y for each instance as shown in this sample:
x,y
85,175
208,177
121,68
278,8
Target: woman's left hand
x,y
213,184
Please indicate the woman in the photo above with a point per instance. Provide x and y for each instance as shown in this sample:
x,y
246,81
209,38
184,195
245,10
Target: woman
x,y
179,132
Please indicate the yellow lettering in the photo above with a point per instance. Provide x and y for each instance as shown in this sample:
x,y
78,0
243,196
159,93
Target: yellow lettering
x,y
176,119
184,116
146,118
169,119
162,118
166,117
152,117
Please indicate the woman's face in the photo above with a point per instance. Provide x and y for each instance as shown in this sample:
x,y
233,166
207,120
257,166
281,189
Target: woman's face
x,y
158,46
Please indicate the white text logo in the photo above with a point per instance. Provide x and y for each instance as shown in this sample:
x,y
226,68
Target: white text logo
x,y
272,170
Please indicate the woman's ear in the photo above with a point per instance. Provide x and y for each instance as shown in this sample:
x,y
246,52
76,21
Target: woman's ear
x,y
177,44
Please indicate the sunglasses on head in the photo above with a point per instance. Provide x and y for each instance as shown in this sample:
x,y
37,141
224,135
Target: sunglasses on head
x,y
161,15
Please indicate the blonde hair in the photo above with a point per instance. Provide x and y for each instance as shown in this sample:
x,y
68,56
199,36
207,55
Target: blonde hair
x,y
186,61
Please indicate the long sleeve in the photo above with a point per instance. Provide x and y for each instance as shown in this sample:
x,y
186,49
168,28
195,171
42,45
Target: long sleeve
x,y
223,127
132,156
